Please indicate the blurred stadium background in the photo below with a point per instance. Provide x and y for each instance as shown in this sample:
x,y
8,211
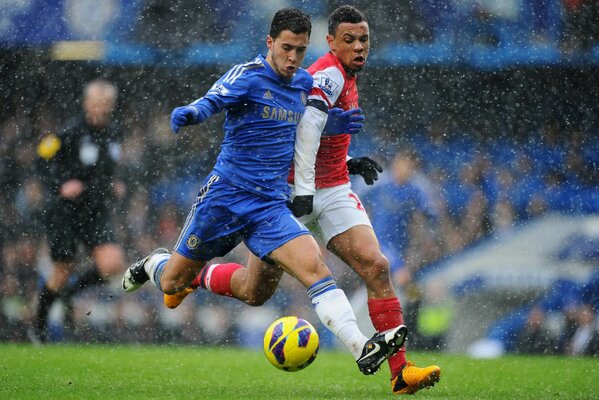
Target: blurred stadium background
x,y
484,114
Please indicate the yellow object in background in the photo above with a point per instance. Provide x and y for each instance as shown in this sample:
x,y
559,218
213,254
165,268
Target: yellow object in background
x,y
435,319
48,146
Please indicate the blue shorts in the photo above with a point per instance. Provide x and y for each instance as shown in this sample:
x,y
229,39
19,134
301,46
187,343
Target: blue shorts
x,y
224,215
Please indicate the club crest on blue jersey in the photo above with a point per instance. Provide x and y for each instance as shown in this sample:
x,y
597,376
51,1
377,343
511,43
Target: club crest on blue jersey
x,y
192,241
304,98
327,85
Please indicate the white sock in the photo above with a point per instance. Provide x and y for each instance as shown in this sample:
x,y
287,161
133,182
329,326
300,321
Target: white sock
x,y
154,267
336,314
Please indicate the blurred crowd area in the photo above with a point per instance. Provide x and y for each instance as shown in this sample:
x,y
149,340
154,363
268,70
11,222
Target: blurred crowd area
x,y
562,321
570,24
466,155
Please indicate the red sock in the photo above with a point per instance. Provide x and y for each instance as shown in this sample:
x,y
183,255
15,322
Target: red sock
x,y
386,314
217,278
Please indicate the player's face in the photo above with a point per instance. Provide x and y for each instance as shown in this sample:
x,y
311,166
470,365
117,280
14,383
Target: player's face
x,y
351,44
286,52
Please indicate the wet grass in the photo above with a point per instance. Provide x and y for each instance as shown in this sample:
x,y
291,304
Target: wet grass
x,y
169,371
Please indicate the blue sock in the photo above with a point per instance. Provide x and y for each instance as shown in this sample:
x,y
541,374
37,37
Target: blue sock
x,y
158,271
320,287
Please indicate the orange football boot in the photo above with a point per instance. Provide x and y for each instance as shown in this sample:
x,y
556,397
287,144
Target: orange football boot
x,y
173,300
412,378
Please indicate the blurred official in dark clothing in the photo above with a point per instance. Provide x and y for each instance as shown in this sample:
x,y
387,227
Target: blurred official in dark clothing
x,y
80,165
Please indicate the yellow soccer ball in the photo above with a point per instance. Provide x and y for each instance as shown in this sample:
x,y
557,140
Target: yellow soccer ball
x,y
291,343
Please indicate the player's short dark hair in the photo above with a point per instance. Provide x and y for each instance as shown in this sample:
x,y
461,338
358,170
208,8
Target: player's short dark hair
x,y
348,14
290,19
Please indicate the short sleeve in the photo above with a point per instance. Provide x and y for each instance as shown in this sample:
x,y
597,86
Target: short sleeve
x,y
327,86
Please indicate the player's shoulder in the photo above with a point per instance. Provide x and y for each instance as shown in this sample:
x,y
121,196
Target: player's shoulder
x,y
330,80
327,62
257,62
327,71
243,72
250,67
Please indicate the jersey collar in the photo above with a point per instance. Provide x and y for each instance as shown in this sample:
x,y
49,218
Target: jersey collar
x,y
346,73
272,72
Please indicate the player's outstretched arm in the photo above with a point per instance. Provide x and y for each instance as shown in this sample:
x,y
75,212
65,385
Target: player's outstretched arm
x,y
221,95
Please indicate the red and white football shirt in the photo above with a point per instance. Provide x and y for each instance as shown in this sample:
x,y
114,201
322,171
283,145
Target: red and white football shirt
x,y
337,89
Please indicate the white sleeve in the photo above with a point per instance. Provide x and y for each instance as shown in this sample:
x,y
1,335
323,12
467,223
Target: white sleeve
x,y
307,142
328,84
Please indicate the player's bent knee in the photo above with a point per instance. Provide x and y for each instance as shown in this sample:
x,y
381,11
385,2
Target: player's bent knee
x,y
376,270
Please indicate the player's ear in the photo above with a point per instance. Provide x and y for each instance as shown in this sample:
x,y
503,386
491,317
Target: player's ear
x,y
330,41
269,42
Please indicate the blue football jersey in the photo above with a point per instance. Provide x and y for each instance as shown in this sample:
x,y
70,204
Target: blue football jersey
x,y
262,113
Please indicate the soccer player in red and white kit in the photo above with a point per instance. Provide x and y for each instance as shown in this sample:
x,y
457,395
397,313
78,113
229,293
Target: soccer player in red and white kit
x,y
323,192
323,196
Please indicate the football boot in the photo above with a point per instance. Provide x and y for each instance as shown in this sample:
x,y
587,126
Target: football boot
x,y
135,276
173,300
412,378
380,347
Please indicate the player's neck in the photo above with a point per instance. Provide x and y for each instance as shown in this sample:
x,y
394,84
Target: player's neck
x,y
271,64
350,72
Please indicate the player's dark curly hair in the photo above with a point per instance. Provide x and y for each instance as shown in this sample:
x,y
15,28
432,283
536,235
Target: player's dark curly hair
x,y
290,19
343,14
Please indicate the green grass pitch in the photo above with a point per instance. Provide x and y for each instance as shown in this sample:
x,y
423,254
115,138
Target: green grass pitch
x,y
177,372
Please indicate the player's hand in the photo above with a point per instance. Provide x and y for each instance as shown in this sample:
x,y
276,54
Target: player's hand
x,y
183,116
340,122
301,205
367,167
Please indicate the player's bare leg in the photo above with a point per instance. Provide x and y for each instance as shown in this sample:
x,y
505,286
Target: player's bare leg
x,y
256,283
178,273
358,247
253,285
170,273
302,259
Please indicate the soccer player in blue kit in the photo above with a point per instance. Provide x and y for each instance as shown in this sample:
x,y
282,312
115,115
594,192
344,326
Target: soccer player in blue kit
x,y
244,197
